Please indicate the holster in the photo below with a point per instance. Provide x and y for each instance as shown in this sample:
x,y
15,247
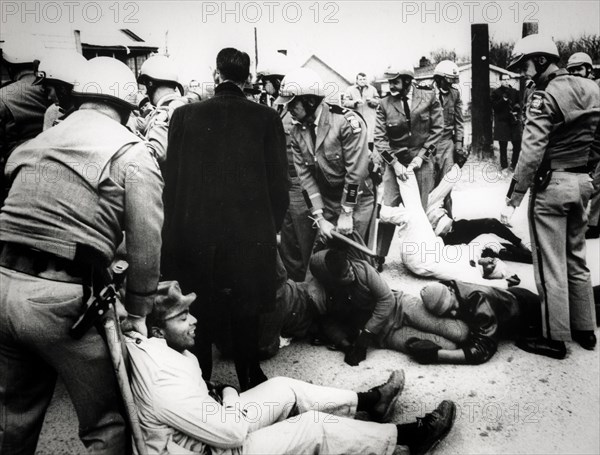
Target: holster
x,y
542,177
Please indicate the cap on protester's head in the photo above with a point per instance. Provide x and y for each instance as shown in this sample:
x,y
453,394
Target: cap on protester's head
x,y
436,298
169,302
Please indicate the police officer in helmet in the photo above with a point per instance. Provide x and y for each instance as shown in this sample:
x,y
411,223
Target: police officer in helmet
x,y
562,115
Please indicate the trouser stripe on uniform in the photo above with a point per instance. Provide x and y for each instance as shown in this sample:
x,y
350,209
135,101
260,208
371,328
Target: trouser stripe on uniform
x,y
546,312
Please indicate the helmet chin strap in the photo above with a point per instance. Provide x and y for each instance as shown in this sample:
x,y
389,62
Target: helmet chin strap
x,y
539,69
310,110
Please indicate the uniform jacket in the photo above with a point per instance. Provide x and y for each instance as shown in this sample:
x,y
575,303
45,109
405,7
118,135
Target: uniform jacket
x,y
368,113
22,109
95,181
562,116
506,114
156,127
453,116
368,303
226,189
427,124
337,166
490,313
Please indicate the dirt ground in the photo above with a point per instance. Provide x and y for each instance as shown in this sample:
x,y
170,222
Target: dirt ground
x,y
517,403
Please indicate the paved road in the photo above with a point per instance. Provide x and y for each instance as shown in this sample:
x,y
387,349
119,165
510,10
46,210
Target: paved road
x,y
515,403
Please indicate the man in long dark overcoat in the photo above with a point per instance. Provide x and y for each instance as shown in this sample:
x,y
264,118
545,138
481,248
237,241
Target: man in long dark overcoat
x,y
506,104
226,193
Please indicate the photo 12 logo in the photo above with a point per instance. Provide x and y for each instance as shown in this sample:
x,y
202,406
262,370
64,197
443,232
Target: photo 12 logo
x,y
490,12
54,12
254,12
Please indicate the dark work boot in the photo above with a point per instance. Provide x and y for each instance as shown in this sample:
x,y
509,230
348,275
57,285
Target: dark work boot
x,y
436,426
389,395
586,338
543,346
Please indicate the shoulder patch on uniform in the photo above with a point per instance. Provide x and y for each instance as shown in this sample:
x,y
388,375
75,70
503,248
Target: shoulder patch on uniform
x,y
354,123
536,104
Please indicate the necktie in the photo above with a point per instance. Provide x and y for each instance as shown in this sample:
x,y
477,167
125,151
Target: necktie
x,y
313,133
406,112
441,100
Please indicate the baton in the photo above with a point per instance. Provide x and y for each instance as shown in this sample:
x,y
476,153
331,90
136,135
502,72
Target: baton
x,y
114,340
337,235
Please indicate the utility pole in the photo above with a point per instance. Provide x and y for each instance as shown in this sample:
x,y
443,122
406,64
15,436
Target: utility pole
x,y
255,51
480,100
529,28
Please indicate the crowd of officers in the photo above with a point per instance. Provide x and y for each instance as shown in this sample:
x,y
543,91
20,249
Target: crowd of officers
x,y
81,153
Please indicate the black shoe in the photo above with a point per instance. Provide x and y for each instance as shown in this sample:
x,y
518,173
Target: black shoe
x,y
586,338
389,395
542,346
593,232
436,426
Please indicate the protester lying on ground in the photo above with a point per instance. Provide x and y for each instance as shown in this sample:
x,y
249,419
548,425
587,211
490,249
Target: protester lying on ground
x,y
179,412
421,250
456,232
490,313
362,311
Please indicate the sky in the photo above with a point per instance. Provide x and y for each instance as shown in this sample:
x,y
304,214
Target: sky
x,y
351,36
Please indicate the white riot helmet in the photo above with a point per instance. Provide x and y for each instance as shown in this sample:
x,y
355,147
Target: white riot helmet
x,y
300,82
447,69
159,68
530,46
578,59
107,79
61,65
402,68
20,50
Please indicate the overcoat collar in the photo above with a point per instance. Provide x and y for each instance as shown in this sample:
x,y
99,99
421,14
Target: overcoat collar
x,y
228,88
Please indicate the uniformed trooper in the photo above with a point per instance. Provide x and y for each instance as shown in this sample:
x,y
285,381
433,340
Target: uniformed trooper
x,y
331,155
408,128
297,234
562,115
580,64
57,73
160,76
93,181
450,146
22,104
269,74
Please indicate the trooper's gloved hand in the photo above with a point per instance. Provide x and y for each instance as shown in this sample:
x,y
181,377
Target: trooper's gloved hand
x,y
423,351
358,352
460,155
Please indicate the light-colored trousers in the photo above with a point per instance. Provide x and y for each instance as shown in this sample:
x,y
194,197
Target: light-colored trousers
x,y
557,223
423,252
321,424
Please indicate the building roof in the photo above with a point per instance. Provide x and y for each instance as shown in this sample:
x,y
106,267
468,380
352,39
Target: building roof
x,y
114,38
105,38
318,60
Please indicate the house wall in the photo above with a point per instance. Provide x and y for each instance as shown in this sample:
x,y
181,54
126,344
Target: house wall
x,y
334,85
